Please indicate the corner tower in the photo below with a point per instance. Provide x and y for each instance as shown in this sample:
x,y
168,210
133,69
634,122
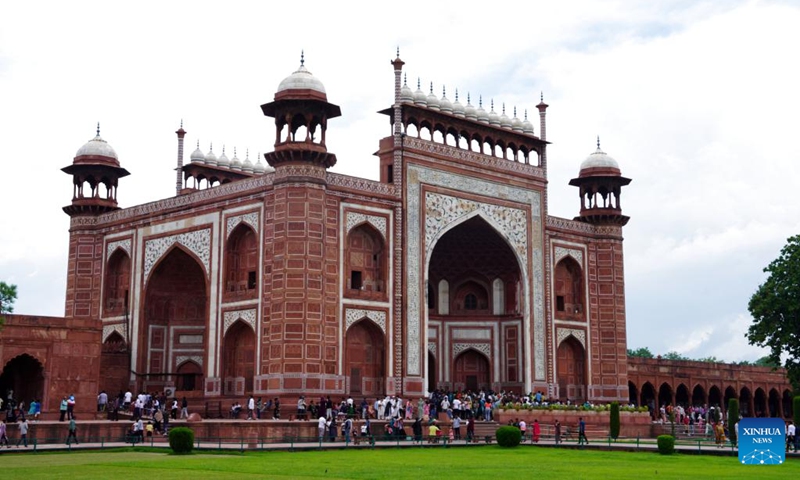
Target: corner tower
x,y
95,174
301,280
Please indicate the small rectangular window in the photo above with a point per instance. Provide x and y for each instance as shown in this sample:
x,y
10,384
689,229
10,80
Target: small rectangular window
x,y
355,280
560,303
251,280
390,174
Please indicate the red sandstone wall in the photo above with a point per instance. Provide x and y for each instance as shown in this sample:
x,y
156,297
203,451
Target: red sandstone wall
x,y
68,351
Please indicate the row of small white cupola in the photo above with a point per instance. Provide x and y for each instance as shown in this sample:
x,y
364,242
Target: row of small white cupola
x,y
245,165
467,111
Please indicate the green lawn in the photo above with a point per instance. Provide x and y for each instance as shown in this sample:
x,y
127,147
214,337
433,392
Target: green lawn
x,y
479,462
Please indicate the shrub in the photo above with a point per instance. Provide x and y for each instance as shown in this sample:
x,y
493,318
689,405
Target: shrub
x,y
614,427
796,410
181,440
666,444
733,418
508,436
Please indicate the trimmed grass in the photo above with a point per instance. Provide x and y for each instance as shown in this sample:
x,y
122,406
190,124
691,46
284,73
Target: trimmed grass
x,y
478,462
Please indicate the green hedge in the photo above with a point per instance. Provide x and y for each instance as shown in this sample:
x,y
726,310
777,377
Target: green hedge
x,y
181,440
614,427
733,419
666,444
508,436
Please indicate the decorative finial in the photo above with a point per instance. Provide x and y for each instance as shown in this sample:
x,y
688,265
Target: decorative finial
x,y
211,147
181,123
247,155
405,79
598,142
468,94
431,88
398,51
526,114
198,144
541,96
302,57
515,111
456,94
493,104
480,101
504,108
234,152
223,149
98,129
418,84
444,91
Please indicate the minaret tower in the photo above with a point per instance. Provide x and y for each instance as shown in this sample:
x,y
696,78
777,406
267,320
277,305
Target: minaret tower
x,y
95,165
600,181
95,173
302,279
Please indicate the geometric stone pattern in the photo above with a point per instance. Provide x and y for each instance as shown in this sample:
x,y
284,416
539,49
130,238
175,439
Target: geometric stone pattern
x,y
432,347
198,242
562,252
352,315
418,175
119,328
563,333
443,210
462,334
248,218
248,316
185,358
123,244
484,348
355,218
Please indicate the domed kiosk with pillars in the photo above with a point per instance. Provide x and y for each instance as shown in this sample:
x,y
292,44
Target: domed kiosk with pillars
x,y
290,279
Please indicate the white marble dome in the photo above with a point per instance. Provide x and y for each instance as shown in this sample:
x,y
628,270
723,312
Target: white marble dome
x,y
198,156
223,160
406,95
432,100
211,157
599,159
527,126
505,122
458,108
97,147
301,79
419,96
481,114
469,110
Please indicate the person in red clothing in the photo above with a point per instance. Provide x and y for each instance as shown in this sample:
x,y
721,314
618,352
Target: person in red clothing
x,y
537,431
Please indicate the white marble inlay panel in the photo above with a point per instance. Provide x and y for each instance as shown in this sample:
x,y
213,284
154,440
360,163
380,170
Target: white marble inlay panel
x,y
197,242
198,359
561,252
109,329
356,218
248,316
248,218
563,333
123,244
469,334
484,348
352,315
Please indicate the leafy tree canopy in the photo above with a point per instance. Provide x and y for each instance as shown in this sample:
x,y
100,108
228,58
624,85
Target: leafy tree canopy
x,y
643,352
8,295
775,308
673,355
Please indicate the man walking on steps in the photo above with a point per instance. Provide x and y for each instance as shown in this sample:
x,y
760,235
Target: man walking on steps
x,y
582,432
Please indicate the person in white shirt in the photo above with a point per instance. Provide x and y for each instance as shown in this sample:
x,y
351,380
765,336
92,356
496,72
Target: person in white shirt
x,y
251,407
321,424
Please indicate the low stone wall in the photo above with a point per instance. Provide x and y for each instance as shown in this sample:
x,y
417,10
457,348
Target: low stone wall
x,y
632,424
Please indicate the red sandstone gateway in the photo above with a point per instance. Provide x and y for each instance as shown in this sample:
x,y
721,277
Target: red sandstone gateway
x,y
284,278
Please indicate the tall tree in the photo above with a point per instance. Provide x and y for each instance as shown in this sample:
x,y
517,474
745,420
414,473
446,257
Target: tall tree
x,y
643,352
775,308
8,295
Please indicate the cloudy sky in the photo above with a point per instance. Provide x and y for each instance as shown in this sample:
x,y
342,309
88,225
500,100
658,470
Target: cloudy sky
x,y
698,102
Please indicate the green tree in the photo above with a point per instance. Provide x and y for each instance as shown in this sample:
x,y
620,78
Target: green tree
x,y
642,352
673,355
733,419
614,419
8,295
711,359
775,308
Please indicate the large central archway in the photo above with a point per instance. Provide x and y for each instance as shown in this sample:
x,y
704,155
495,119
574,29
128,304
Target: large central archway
x,y
175,324
479,305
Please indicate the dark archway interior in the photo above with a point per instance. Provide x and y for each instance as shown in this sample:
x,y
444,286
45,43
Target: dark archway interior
x,y
22,380
571,370
365,358
239,357
114,365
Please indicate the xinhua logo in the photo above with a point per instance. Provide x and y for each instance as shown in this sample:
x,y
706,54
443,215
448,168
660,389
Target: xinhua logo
x,y
762,441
